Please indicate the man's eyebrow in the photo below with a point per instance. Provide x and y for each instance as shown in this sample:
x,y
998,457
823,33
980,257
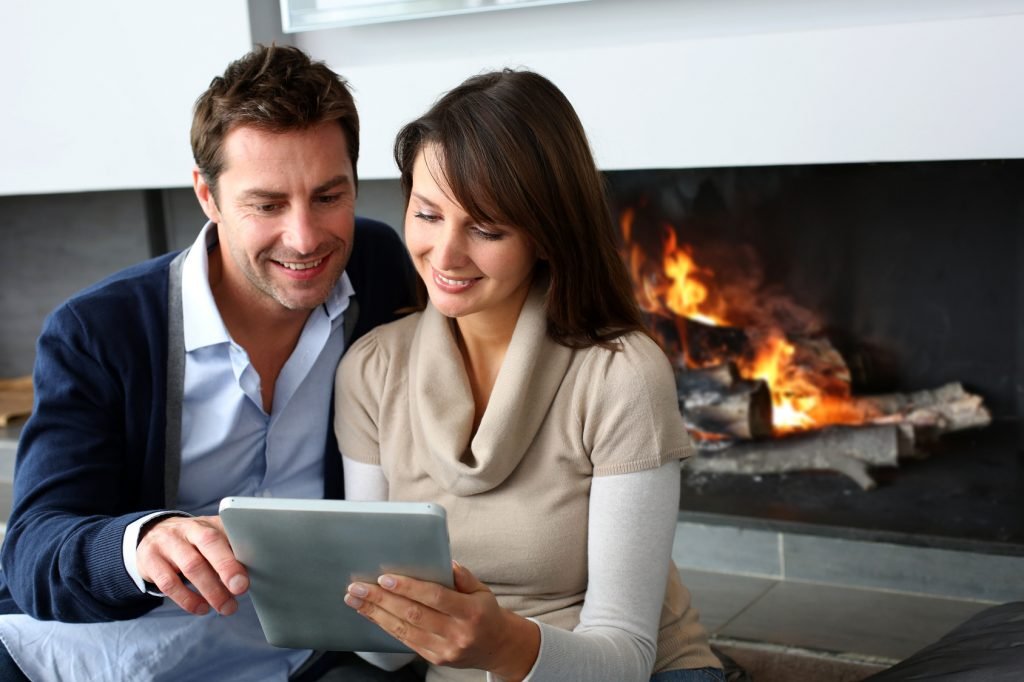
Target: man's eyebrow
x,y
262,194
271,195
333,183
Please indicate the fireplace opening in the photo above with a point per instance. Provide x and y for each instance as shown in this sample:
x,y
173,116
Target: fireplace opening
x,y
888,279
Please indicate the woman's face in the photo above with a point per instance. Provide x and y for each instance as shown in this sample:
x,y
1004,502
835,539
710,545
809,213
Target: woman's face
x,y
471,271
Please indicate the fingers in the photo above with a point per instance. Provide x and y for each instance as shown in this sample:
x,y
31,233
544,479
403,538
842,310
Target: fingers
x,y
220,555
435,596
444,626
465,581
191,562
409,621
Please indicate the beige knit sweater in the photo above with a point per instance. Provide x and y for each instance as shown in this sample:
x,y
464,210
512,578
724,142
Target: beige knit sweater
x,y
517,491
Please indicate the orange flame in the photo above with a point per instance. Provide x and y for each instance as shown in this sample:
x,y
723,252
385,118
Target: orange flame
x,y
678,286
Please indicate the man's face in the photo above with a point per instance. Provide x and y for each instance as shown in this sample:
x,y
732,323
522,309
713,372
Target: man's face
x,y
285,212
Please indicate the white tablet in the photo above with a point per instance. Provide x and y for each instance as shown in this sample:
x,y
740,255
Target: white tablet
x,y
302,554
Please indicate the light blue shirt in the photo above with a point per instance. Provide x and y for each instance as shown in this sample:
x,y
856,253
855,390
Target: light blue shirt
x,y
230,446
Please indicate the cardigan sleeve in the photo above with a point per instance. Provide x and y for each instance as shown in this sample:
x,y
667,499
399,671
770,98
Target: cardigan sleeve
x,y
62,557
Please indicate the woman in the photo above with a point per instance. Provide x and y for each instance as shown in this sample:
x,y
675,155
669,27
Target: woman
x,y
528,401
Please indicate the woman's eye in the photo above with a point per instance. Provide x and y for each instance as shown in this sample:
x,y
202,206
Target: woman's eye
x,y
428,217
487,234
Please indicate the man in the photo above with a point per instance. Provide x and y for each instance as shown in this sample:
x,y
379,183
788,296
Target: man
x,y
192,377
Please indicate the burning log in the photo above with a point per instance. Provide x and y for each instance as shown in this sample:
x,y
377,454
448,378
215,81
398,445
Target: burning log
x,y
849,451
931,412
707,343
718,401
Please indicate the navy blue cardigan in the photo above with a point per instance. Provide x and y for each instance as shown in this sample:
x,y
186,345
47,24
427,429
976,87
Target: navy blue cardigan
x,y
91,458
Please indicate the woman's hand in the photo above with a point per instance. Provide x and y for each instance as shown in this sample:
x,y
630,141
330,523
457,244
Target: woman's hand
x,y
462,628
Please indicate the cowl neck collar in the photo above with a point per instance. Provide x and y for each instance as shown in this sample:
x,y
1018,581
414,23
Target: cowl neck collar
x,y
441,401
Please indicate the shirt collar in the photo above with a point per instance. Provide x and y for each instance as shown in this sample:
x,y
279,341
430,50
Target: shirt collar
x,y
203,325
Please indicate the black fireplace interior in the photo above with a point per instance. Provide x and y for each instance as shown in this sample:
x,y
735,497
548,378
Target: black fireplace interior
x,y
916,271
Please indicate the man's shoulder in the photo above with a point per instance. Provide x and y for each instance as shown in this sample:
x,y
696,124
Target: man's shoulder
x,y
133,296
138,279
373,241
381,274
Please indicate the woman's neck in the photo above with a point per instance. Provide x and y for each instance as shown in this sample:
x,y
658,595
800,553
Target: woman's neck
x,y
483,341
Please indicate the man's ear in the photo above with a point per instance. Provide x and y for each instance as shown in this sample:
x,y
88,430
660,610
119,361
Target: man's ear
x,y
205,195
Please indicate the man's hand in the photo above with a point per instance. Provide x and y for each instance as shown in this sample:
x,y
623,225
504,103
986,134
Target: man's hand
x,y
177,549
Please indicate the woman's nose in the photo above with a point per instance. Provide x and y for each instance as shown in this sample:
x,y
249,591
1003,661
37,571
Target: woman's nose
x,y
449,252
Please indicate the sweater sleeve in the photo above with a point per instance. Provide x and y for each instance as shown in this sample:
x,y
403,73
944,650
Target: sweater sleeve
x,y
631,528
62,555
630,415
357,387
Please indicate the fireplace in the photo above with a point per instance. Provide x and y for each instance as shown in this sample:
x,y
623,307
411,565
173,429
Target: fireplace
x,y
914,273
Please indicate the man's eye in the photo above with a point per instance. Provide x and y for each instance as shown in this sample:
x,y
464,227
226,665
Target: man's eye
x,y
266,208
328,199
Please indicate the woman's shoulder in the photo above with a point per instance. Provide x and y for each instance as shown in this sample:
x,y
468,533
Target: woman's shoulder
x,y
381,344
634,370
386,336
628,406
632,354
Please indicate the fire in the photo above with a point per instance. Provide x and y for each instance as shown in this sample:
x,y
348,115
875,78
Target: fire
x,y
793,400
675,285
685,294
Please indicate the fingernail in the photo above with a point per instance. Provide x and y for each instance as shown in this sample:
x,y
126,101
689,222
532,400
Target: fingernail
x,y
353,601
238,584
387,582
203,609
228,608
358,589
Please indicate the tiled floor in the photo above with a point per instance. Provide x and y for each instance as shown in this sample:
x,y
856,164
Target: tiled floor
x,y
808,621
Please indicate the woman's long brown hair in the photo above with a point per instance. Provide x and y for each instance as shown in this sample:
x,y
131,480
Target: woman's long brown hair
x,y
514,153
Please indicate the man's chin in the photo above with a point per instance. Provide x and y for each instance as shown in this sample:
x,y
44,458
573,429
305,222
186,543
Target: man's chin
x,y
305,297
301,304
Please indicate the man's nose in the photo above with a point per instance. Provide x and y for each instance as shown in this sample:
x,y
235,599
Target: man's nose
x,y
302,233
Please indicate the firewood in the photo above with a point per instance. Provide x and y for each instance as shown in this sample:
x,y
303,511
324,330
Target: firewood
x,y
931,412
716,400
706,379
847,450
15,399
708,344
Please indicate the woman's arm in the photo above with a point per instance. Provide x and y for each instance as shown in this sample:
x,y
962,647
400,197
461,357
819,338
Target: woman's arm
x,y
364,482
632,524
631,529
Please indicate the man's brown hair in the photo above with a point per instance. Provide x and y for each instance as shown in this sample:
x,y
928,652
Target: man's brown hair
x,y
514,153
278,89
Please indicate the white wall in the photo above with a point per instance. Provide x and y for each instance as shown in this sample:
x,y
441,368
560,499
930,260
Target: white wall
x,y
695,83
98,94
